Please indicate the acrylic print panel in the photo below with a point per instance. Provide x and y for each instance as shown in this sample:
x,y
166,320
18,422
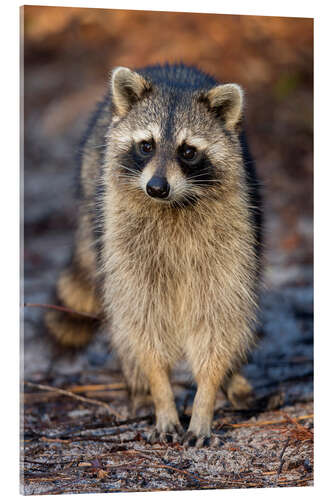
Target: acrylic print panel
x,y
81,434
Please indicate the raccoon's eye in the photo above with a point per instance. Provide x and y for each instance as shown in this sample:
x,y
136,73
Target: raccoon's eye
x,y
188,153
146,147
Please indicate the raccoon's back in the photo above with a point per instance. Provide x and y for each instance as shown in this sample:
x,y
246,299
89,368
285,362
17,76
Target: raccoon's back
x,y
91,151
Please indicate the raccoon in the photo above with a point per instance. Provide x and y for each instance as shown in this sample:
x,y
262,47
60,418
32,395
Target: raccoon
x,y
168,243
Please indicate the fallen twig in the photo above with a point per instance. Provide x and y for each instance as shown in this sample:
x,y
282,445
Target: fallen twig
x,y
269,422
97,387
301,432
62,309
281,459
74,396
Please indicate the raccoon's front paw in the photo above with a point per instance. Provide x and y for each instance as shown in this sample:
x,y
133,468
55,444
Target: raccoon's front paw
x,y
190,439
170,433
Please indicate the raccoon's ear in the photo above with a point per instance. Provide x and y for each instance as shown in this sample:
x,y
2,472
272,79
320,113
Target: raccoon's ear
x,y
127,88
227,100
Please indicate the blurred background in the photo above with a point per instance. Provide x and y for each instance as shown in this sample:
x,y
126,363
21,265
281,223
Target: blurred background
x,y
67,55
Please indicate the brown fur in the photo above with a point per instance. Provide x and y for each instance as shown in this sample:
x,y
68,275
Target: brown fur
x,y
175,280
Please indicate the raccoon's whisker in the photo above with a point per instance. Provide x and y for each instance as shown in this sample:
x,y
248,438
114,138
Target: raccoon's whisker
x,y
190,197
129,181
196,177
131,189
203,172
128,178
216,181
129,169
186,196
130,175
125,175
177,204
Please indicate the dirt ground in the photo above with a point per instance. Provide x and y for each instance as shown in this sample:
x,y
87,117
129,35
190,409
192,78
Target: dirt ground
x,y
84,439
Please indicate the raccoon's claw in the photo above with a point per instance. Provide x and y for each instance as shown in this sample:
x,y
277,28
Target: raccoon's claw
x,y
190,439
160,437
172,436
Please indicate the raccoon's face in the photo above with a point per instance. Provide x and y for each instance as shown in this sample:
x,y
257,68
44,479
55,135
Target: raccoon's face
x,y
173,145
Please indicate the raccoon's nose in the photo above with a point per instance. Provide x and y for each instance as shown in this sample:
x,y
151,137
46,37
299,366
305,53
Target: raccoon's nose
x,y
158,187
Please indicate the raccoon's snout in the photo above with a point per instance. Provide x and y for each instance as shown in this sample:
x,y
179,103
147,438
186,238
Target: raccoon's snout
x,y
158,187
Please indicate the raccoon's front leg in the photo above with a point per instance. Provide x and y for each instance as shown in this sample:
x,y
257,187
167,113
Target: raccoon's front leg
x,y
167,426
239,392
199,431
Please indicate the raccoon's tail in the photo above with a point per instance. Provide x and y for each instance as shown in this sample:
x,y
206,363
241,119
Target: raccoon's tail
x,y
75,292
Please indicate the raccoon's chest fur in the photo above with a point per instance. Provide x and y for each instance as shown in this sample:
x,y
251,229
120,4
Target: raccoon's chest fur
x,y
168,274
152,260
